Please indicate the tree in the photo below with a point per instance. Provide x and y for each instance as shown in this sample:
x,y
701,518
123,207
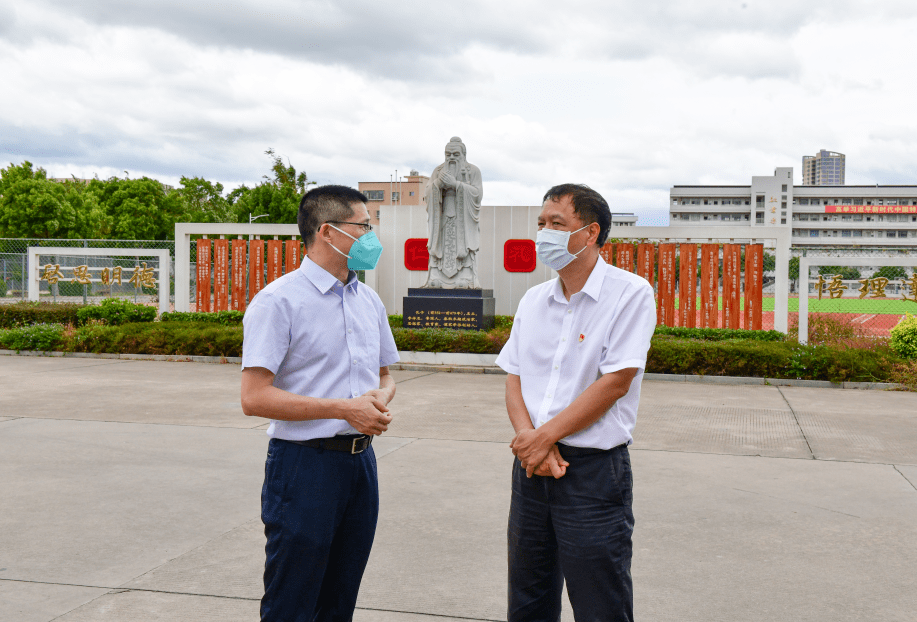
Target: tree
x,y
32,206
203,201
286,176
793,271
848,273
138,209
277,197
891,273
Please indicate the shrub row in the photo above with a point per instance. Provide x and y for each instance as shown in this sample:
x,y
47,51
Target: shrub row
x,y
27,313
224,318
668,354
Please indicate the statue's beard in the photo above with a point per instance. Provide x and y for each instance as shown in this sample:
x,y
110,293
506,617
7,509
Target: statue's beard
x,y
452,166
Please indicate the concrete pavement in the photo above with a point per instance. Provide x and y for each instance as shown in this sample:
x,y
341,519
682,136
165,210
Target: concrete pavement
x,y
129,490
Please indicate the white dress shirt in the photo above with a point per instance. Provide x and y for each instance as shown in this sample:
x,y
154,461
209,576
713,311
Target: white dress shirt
x,y
559,347
320,338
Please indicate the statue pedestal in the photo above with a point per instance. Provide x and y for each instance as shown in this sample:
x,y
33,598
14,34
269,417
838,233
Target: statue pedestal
x,y
459,309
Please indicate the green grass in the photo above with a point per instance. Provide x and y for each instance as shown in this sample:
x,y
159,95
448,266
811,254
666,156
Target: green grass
x,y
878,306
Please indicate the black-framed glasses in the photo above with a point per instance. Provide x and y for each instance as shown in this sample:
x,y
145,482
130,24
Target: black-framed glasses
x,y
366,226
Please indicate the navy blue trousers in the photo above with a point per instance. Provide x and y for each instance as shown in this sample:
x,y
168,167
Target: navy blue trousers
x,y
319,509
577,528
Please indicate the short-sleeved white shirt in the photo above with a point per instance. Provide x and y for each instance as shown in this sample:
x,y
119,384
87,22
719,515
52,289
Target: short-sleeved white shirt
x,y
558,348
320,338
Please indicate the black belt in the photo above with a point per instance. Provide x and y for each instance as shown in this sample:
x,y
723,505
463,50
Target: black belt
x,y
348,443
570,450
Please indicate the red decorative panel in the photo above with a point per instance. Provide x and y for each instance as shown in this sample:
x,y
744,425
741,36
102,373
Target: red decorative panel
x,y
221,275
731,285
238,274
519,255
624,253
687,285
646,257
709,284
274,260
416,255
754,285
293,255
608,253
666,296
255,268
203,275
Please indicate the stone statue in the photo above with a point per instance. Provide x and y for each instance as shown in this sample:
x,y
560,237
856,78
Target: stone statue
x,y
453,215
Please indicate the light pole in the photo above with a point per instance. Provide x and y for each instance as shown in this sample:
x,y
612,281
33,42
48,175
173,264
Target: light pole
x,y
252,219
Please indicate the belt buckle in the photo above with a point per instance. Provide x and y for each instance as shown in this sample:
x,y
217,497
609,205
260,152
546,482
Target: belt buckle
x,y
353,449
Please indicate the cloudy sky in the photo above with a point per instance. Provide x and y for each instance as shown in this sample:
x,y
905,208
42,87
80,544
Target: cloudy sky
x,y
630,97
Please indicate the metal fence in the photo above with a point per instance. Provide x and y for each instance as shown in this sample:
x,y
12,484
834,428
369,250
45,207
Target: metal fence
x,y
14,275
868,289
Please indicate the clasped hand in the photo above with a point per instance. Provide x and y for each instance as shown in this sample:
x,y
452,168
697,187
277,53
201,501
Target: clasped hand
x,y
537,455
447,179
368,413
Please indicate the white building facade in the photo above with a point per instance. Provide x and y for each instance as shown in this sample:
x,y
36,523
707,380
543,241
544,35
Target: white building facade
x,y
820,216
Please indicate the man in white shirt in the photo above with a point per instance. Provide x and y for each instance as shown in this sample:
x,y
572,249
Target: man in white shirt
x,y
315,359
574,360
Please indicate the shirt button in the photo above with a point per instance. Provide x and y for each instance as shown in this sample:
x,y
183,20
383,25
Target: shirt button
x,y
569,310
564,339
354,361
349,330
549,395
555,367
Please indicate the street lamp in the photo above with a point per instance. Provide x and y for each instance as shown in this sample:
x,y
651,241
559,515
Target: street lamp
x,y
252,219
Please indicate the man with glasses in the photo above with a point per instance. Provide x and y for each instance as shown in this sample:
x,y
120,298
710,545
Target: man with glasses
x,y
574,360
315,357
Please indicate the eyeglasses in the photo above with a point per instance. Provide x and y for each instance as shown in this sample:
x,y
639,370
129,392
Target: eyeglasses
x,y
366,226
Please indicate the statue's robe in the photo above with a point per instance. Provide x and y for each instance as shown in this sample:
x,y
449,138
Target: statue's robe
x,y
453,218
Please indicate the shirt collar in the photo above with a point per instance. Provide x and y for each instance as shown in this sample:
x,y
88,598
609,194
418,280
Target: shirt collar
x,y
592,288
323,280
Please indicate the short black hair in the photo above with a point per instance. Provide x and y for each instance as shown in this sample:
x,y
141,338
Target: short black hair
x,y
588,205
325,203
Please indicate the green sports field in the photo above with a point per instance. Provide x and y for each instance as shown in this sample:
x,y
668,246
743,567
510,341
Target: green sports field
x,y
878,306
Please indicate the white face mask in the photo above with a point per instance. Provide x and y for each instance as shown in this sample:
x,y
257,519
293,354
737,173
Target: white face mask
x,y
551,247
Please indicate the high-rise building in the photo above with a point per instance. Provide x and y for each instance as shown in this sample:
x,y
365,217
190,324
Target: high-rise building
x,y
824,169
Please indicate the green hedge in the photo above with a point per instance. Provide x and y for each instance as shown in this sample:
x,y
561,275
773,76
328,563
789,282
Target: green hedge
x,y
720,334
27,313
185,338
224,318
770,359
116,311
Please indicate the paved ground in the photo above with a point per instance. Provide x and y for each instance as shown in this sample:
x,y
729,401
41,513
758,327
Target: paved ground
x,y
129,490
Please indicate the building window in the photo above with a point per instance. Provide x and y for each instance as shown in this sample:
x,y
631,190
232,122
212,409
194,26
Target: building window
x,y
377,214
783,221
396,196
857,233
889,234
803,201
813,233
845,233
784,188
375,195
902,234
410,194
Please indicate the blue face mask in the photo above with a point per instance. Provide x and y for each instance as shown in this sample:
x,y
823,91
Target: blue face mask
x,y
364,252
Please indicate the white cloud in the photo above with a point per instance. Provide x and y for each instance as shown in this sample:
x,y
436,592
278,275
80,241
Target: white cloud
x,y
630,98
